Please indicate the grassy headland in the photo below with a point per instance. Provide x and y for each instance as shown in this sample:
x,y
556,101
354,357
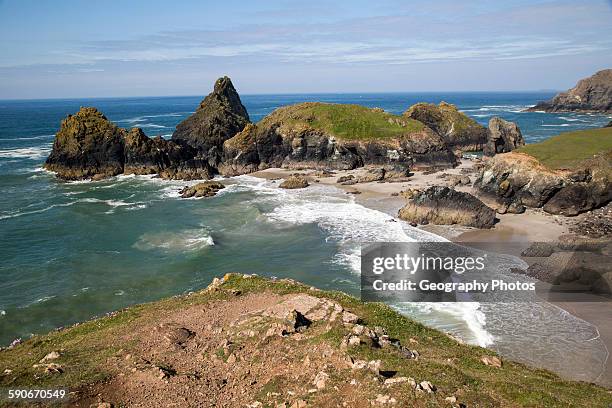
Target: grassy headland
x,y
114,348
567,150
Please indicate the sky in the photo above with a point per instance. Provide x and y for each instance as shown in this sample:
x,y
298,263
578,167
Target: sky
x,y
71,49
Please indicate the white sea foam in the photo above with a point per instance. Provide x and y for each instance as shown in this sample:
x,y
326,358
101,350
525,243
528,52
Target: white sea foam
x,y
19,213
559,125
188,240
348,225
29,138
152,125
25,152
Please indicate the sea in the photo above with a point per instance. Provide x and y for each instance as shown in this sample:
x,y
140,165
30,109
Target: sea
x,y
71,251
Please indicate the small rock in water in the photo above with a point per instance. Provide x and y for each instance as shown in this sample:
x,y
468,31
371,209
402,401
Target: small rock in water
x,y
205,189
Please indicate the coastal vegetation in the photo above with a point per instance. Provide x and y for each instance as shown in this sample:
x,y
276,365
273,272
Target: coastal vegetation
x,y
367,346
568,150
344,121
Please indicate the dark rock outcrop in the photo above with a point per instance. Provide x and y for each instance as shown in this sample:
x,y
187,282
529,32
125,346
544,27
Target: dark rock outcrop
x,y
445,206
219,117
87,146
593,94
502,137
517,179
458,130
609,124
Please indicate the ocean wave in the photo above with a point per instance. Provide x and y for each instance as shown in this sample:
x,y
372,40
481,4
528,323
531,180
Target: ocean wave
x,y
26,152
37,301
559,125
144,118
572,119
189,240
18,213
152,125
28,138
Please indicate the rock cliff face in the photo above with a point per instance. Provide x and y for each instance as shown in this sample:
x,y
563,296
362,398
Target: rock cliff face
x,y
445,206
87,145
519,179
219,117
593,94
458,130
502,137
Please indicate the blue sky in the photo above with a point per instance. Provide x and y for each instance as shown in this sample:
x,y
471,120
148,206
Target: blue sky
x,y
132,48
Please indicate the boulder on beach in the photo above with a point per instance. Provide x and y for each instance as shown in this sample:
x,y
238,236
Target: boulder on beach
x,y
446,206
294,181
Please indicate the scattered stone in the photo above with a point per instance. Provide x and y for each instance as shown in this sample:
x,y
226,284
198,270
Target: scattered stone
x,y
175,334
395,380
299,404
359,364
320,380
348,317
354,341
426,386
344,179
452,399
50,368
54,355
491,361
385,399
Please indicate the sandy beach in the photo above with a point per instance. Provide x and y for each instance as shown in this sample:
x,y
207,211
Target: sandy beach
x,y
519,229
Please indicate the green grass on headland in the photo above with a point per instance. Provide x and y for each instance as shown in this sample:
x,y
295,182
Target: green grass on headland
x,y
344,121
453,367
567,150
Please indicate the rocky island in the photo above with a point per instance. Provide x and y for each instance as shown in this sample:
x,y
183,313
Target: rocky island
x,y
593,94
246,341
220,139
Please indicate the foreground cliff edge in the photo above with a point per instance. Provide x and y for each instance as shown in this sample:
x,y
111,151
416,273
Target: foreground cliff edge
x,y
249,341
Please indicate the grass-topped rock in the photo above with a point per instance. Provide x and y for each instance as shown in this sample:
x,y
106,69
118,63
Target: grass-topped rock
x,y
339,136
249,341
457,129
567,174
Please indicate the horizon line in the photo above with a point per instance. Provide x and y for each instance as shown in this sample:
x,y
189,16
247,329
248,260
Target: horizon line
x,y
60,98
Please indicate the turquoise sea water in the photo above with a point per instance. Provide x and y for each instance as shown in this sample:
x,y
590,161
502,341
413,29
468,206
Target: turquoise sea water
x,y
72,251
